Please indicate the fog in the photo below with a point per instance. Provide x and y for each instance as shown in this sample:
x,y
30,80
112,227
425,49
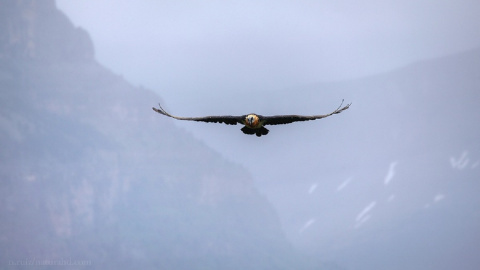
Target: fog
x,y
391,183
223,47
337,183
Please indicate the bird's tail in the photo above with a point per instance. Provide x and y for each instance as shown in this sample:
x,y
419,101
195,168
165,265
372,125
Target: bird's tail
x,y
258,131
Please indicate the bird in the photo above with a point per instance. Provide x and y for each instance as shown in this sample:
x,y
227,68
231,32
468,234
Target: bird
x,y
254,123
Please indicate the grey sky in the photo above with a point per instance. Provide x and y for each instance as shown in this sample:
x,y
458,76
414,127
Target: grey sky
x,y
232,45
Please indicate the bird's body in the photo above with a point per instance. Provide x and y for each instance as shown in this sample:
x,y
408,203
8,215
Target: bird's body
x,y
254,123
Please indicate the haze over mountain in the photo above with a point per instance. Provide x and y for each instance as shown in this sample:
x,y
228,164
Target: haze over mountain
x,y
92,177
391,183
227,47
395,183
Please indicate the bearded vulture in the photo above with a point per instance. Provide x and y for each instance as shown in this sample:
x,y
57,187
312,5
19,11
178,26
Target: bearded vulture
x,y
254,123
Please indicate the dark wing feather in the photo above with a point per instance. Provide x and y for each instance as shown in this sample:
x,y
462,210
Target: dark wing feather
x,y
226,119
287,119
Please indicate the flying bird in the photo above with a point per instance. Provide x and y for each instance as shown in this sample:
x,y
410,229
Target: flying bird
x,y
254,123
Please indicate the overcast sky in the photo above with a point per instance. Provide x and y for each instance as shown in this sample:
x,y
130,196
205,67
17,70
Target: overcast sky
x,y
233,45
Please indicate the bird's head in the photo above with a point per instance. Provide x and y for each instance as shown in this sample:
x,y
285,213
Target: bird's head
x,y
251,120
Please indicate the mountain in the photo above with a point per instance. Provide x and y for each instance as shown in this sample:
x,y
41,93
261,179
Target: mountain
x,y
410,164
391,183
90,175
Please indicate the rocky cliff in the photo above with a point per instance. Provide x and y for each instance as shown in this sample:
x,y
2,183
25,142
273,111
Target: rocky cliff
x,y
90,175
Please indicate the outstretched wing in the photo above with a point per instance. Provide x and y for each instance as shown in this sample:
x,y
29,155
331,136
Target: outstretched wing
x,y
226,119
287,119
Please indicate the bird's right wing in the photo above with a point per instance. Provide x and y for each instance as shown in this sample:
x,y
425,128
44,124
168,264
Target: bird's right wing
x,y
226,119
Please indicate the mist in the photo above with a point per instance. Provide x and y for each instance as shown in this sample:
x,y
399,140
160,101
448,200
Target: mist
x,y
390,183
181,48
335,182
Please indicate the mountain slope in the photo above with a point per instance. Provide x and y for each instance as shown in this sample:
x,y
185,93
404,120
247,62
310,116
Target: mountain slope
x,y
90,175
392,182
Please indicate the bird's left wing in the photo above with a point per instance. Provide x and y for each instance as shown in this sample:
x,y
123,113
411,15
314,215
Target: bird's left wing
x,y
226,119
286,119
